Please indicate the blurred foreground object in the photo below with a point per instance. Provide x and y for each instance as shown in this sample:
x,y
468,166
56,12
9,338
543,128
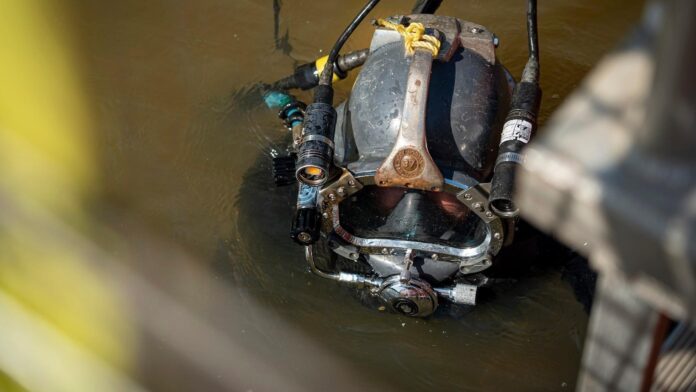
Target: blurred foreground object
x,y
82,306
63,328
614,176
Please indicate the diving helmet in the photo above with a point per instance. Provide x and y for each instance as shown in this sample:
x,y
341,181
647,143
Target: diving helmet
x,y
402,208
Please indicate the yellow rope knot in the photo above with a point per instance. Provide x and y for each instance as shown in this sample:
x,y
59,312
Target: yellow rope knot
x,y
414,36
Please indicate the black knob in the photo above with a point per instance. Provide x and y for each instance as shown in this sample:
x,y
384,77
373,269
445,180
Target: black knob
x,y
305,226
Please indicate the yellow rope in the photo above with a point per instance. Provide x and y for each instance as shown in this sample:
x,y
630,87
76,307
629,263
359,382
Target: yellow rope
x,y
414,36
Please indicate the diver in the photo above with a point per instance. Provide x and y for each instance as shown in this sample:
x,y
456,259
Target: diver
x,y
405,189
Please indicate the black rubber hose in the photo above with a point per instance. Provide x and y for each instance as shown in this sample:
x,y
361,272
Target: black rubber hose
x,y
315,154
327,74
520,125
532,34
426,6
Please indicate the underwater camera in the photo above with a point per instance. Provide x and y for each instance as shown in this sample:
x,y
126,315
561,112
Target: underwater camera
x,y
405,189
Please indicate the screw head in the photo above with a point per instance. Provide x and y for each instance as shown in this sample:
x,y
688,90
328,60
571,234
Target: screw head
x,y
351,183
489,214
497,236
353,256
341,191
325,215
332,197
468,196
385,251
304,237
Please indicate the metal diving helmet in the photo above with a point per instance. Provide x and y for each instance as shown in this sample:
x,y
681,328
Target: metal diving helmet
x,y
381,211
395,182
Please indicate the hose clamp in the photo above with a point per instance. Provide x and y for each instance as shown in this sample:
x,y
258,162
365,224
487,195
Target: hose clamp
x,y
513,157
318,138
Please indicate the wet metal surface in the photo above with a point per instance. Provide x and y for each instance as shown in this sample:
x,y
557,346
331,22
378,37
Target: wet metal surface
x,y
184,148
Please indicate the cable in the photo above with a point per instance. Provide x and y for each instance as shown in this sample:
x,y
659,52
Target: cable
x,y
532,29
426,6
519,127
315,153
327,74
531,69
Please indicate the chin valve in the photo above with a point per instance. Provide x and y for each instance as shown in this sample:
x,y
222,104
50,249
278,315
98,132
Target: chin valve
x,y
413,298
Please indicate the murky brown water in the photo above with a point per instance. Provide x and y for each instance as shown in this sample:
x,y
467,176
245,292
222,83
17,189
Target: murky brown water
x,y
184,148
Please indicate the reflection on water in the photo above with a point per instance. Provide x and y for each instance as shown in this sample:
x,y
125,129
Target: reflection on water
x,y
185,145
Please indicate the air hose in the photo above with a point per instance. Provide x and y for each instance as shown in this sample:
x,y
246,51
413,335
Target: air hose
x,y
520,124
306,76
426,6
316,149
315,153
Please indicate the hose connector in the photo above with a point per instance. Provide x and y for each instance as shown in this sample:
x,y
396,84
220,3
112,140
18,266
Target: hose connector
x,y
306,76
519,127
520,124
316,150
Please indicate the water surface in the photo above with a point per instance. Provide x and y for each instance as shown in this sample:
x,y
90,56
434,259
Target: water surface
x,y
184,148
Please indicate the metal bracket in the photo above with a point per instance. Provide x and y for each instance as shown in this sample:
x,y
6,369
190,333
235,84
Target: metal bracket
x,y
476,199
338,190
409,164
335,192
